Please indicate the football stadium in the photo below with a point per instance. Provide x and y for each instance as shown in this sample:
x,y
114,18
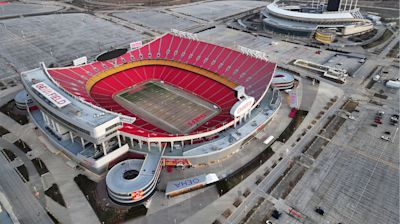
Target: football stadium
x,y
174,101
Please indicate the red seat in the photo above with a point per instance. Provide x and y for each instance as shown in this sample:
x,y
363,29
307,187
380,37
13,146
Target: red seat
x,y
254,74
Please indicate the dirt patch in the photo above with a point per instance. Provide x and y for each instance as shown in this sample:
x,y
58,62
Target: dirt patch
x,y
279,179
23,146
10,155
217,222
107,214
53,218
260,200
370,84
16,114
227,213
316,147
394,52
293,125
382,96
385,36
349,106
231,181
3,131
364,36
375,103
289,181
40,166
54,193
24,172
333,127
237,202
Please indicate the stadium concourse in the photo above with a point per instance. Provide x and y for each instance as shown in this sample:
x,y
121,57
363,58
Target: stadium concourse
x,y
176,101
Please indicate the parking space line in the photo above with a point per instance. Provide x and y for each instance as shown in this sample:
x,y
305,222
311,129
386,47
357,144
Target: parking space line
x,y
360,152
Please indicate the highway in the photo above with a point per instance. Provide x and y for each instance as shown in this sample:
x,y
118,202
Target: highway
x,y
25,206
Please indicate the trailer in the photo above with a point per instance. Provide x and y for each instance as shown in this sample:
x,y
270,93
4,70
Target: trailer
x,y
393,84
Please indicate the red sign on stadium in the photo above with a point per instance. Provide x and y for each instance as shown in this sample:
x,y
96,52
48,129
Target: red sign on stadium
x,y
136,44
50,94
242,107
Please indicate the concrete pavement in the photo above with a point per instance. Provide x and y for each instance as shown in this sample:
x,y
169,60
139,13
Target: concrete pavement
x,y
34,179
9,94
27,209
78,208
178,212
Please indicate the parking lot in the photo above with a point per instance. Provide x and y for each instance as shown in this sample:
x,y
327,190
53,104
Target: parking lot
x,y
216,10
383,94
355,179
17,9
349,63
282,52
157,19
26,42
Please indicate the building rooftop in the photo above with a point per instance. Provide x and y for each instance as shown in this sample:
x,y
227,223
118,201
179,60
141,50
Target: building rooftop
x,y
76,110
309,16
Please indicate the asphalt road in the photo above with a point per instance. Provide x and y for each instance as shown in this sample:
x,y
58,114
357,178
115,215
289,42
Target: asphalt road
x,y
25,206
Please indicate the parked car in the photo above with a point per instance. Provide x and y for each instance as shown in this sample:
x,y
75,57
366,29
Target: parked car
x,y
320,211
276,214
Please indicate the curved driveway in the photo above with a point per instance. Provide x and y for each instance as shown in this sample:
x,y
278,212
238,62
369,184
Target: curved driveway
x,y
25,206
34,178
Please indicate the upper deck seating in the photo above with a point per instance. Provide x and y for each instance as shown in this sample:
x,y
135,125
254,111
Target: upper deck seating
x,y
252,73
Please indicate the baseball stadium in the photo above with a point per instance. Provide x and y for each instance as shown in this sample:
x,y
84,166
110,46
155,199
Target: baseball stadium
x,y
174,101
323,20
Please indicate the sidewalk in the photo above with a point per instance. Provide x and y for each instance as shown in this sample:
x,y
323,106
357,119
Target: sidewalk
x,y
78,208
34,183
